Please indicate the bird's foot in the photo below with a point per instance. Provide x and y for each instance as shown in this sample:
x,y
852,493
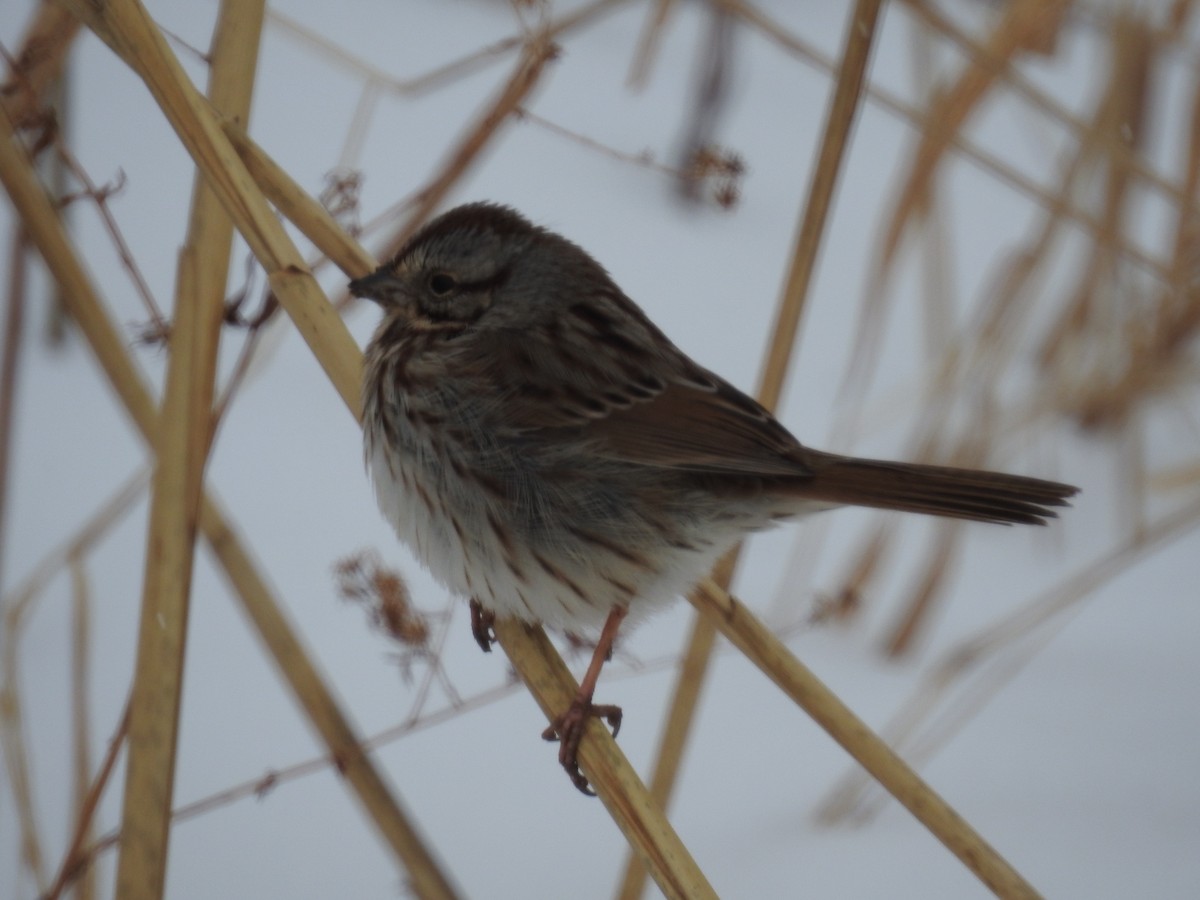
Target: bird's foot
x,y
482,621
568,730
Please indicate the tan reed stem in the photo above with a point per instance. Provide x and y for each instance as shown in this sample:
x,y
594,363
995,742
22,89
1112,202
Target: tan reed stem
x,y
328,720
1021,633
607,769
767,652
847,96
942,821
127,29
81,632
38,64
182,445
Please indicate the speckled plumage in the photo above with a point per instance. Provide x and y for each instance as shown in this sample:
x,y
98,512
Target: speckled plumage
x,y
546,450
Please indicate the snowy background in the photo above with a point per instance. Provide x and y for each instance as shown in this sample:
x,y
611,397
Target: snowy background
x,y
1082,771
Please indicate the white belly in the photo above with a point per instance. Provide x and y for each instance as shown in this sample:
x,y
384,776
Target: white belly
x,y
466,547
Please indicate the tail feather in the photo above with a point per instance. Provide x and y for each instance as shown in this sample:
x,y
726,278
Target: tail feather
x,y
937,490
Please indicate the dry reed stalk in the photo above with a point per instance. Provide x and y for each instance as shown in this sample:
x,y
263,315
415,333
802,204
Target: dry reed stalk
x,y
128,30
989,162
844,104
76,863
990,345
767,652
447,72
48,235
648,43
346,748
1039,99
529,651
538,51
615,782
39,64
16,608
1156,332
182,446
298,206
1120,120
80,711
1022,633
1026,25
925,594
11,343
126,27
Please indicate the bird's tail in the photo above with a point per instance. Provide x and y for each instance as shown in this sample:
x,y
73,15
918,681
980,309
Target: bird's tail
x,y
936,490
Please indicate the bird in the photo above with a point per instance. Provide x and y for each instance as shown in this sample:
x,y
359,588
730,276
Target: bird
x,y
550,455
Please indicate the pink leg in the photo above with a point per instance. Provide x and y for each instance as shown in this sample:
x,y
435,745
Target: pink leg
x,y
568,728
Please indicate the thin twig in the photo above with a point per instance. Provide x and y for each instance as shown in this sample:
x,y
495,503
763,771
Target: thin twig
x,y
10,358
76,858
846,101
1022,633
766,651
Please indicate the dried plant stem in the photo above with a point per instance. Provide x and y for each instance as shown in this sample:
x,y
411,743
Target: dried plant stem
x,y
127,28
182,447
989,162
538,51
766,651
39,63
80,707
983,54
851,76
847,96
1021,633
264,784
615,782
440,76
529,651
345,747
10,353
648,42
1024,25
48,235
299,207
944,548
17,606
74,858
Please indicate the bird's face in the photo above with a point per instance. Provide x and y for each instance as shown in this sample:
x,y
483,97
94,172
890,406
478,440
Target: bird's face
x,y
453,271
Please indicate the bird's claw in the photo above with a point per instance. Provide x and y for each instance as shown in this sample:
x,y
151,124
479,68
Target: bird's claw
x,y
482,621
568,730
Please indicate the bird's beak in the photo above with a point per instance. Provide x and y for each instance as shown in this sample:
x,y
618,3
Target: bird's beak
x,y
382,286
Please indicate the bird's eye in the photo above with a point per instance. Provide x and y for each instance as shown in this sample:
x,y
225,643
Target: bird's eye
x,y
441,283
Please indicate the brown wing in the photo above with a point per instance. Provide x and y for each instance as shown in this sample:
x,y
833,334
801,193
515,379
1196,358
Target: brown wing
x,y
656,408
702,424
634,397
